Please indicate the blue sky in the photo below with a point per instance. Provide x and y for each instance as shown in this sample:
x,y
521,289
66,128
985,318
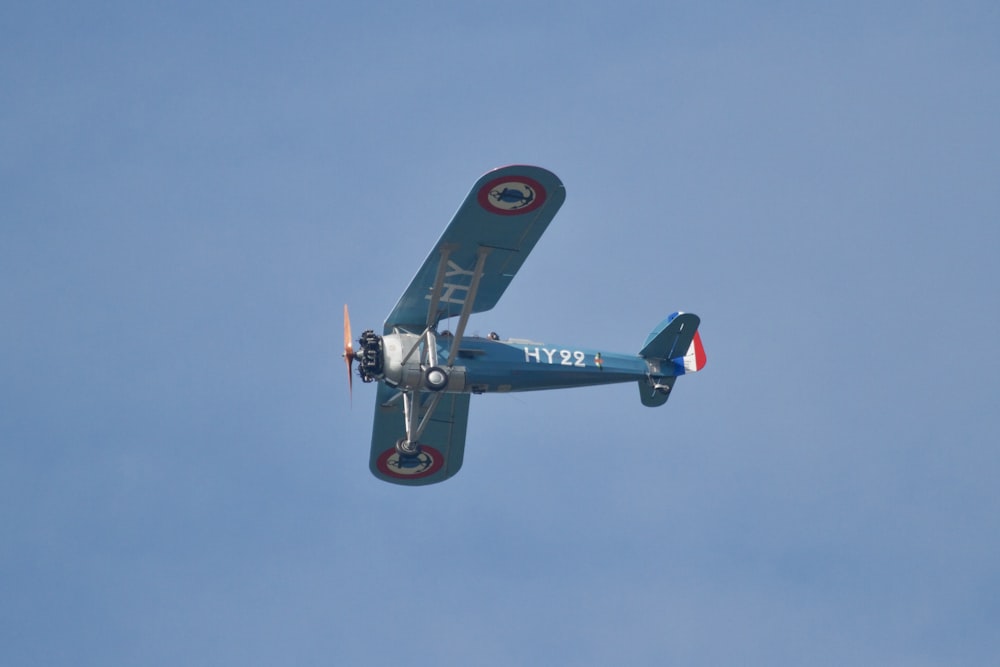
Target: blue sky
x,y
191,191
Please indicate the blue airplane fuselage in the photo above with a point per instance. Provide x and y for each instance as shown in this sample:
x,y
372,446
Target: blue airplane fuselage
x,y
492,365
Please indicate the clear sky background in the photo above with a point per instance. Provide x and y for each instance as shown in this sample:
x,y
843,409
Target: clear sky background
x,y
191,191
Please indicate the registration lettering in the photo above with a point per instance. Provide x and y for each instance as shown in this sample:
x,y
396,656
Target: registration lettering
x,y
554,355
454,292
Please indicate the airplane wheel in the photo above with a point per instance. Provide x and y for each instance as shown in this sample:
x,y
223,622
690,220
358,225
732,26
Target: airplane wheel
x,y
406,448
436,378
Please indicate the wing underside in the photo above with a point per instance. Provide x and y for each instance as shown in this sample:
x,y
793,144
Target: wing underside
x,y
442,442
498,224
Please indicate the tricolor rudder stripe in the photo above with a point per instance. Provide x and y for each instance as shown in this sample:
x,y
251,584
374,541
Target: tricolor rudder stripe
x,y
695,359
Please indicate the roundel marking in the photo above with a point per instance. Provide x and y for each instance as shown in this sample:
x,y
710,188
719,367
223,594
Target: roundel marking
x,y
511,195
424,464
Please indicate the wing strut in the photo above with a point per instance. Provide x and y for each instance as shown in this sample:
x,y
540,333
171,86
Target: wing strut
x,y
463,319
428,337
438,284
415,423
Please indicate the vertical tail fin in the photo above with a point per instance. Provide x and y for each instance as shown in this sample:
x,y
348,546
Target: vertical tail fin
x,y
676,340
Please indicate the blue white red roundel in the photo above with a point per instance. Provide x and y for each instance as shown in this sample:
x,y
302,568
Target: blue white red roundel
x,y
511,195
424,464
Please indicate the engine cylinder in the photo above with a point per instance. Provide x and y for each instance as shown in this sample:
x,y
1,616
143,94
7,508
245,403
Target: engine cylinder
x,y
370,356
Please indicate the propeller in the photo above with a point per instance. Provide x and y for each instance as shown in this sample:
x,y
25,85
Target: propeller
x,y
348,351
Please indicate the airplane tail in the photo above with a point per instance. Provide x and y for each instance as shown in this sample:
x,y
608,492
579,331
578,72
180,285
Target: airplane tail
x,y
673,348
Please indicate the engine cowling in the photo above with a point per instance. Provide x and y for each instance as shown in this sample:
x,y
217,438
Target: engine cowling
x,y
402,366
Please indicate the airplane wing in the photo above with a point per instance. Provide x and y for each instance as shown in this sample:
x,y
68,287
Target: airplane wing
x,y
505,214
442,443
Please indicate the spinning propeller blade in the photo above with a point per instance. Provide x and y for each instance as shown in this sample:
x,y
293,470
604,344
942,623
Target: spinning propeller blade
x,y
348,351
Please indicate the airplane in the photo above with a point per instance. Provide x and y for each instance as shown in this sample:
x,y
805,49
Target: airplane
x,y
426,377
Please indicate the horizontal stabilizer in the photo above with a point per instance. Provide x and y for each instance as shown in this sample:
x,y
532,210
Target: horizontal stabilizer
x,y
655,395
